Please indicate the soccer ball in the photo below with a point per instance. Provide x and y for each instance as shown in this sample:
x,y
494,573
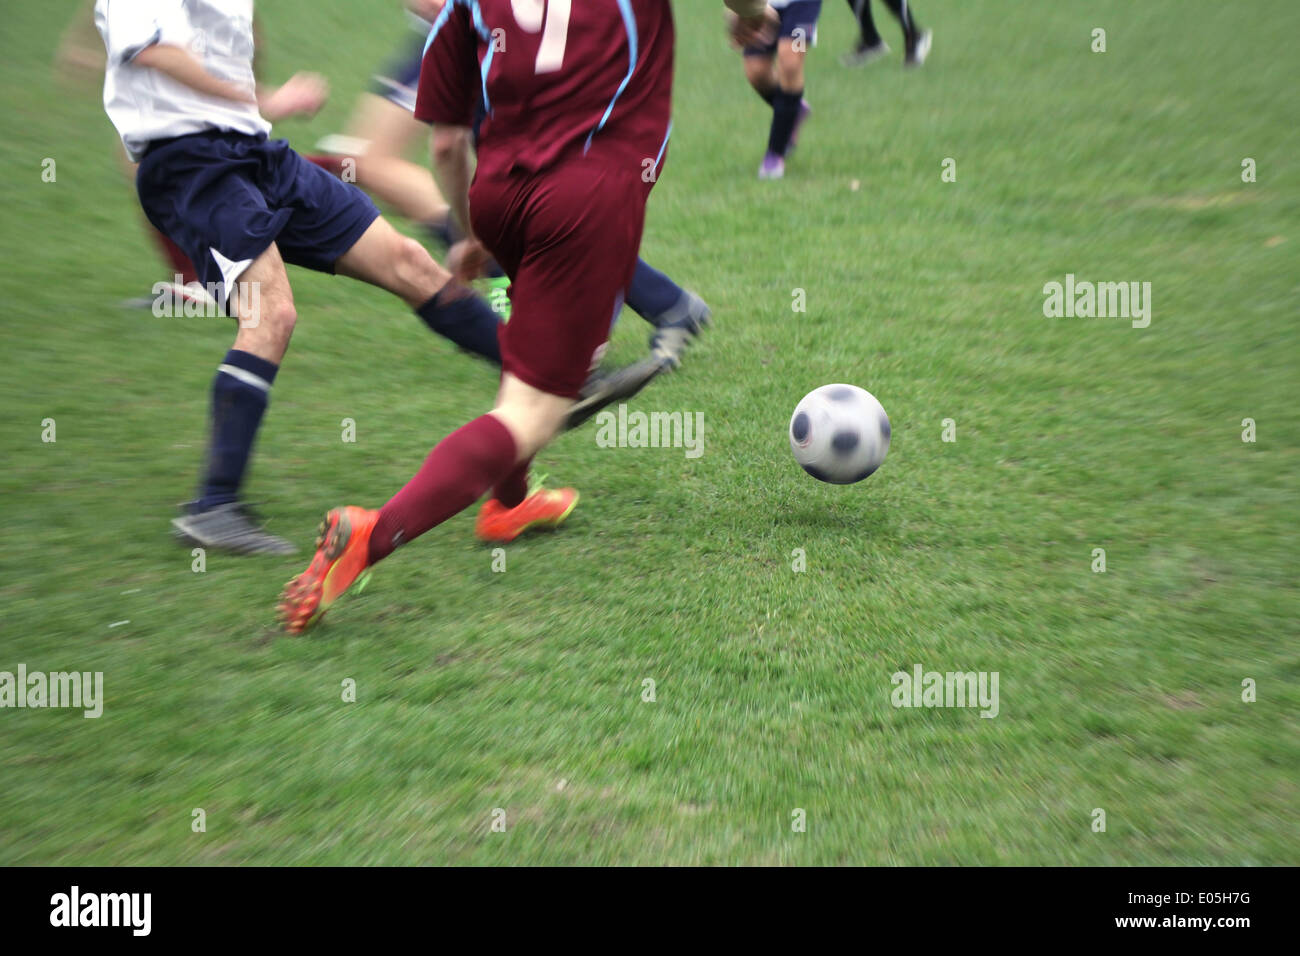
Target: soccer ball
x,y
839,433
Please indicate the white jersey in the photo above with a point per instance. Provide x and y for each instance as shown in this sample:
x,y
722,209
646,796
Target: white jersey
x,y
145,104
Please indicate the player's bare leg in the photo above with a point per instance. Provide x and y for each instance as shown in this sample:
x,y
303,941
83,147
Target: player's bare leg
x,y
390,132
533,417
386,258
380,135
263,304
779,79
789,108
790,59
392,261
760,71
262,301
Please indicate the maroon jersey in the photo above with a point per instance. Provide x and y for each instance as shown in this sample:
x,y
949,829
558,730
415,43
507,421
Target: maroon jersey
x,y
555,77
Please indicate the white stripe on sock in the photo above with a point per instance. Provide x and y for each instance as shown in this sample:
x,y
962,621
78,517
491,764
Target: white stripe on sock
x,y
245,376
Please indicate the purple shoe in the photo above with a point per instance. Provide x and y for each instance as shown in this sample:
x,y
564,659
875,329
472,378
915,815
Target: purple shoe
x,y
805,111
773,167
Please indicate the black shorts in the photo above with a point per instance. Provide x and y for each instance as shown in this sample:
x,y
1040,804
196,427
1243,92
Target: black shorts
x,y
225,197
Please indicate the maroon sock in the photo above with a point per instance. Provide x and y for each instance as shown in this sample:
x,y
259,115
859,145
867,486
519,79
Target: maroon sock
x,y
457,472
513,489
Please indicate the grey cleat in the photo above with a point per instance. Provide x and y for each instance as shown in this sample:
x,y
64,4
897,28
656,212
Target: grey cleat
x,y
232,527
606,388
677,328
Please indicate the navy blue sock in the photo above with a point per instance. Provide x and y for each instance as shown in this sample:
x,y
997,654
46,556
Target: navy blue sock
x,y
457,313
769,96
240,393
785,110
651,293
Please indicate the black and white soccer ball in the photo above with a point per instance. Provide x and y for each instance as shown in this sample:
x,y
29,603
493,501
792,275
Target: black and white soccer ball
x,y
839,434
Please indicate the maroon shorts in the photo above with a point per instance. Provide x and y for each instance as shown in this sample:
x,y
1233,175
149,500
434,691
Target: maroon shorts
x,y
568,238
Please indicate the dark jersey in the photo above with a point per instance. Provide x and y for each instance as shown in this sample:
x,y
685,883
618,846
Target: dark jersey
x,y
555,77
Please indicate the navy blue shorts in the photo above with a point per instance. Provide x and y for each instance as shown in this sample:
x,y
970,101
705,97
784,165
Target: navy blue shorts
x,y
225,197
400,80
800,15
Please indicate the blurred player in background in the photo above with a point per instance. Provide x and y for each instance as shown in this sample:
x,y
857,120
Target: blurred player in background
x,y
558,198
775,71
383,131
79,62
180,89
871,46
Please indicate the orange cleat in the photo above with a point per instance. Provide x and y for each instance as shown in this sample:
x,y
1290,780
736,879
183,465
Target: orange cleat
x,y
342,554
543,508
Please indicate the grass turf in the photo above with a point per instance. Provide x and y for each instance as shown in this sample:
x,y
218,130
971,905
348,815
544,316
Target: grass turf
x,y
523,690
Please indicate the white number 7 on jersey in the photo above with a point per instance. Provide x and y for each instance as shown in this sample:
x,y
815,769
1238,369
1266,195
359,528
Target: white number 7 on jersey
x,y
529,14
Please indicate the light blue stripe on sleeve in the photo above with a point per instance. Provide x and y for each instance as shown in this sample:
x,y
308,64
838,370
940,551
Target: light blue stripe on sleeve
x,y
629,24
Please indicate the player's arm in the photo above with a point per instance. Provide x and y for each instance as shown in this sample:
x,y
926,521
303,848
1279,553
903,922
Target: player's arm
x,y
303,93
183,67
157,36
453,168
446,99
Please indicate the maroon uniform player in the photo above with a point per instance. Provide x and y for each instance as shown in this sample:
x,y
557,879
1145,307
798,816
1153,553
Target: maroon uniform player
x,y
577,99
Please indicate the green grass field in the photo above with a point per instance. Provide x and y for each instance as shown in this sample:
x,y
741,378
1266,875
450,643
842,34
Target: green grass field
x,y
523,690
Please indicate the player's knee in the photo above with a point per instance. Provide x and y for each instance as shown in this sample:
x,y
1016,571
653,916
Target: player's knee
x,y
280,318
758,71
415,269
789,71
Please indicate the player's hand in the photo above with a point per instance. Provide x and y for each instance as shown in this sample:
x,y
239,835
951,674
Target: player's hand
x,y
467,259
753,31
303,94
